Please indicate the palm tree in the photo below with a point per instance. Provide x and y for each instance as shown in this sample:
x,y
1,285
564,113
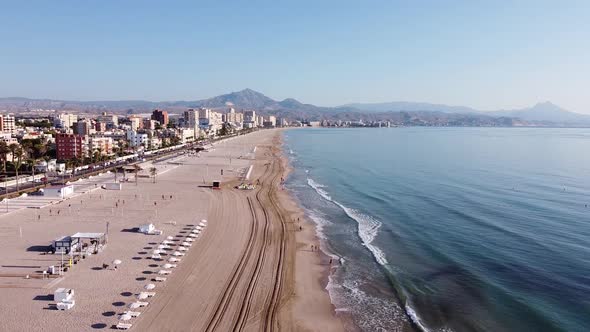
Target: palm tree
x,y
20,153
4,150
153,173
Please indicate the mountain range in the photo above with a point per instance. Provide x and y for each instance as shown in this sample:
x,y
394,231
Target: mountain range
x,y
544,113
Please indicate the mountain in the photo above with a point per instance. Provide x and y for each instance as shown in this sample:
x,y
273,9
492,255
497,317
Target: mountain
x,y
403,106
545,112
246,98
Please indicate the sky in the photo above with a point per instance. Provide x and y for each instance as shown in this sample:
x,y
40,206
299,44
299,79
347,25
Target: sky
x,y
483,54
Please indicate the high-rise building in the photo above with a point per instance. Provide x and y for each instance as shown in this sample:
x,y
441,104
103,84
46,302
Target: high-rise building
x,y
191,120
84,127
65,120
7,123
136,122
161,117
70,146
250,119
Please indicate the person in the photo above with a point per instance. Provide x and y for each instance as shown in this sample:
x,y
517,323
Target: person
x,y
170,196
330,261
300,228
155,203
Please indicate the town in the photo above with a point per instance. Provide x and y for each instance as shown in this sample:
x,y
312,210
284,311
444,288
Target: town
x,y
37,150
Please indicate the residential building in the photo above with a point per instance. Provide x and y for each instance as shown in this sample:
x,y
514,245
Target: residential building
x,y
149,124
102,144
270,122
136,139
111,120
191,120
65,120
161,117
100,127
136,123
84,127
70,146
249,119
7,123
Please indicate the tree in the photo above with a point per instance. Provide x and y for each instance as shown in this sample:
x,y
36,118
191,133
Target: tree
x,y
153,173
4,150
19,154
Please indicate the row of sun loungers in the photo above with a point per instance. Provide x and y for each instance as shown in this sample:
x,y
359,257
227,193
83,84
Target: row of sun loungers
x,y
157,255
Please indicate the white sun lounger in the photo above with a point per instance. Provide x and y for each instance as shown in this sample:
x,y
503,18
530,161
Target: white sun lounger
x,y
123,326
159,279
178,253
132,313
182,248
150,294
164,272
156,256
142,304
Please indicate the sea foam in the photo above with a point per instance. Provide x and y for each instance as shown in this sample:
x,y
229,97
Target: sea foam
x,y
368,227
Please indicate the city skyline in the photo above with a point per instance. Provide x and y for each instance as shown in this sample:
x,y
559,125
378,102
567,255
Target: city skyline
x,y
487,57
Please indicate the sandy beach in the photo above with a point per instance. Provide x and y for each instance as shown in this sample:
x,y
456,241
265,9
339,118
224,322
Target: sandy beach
x,y
250,269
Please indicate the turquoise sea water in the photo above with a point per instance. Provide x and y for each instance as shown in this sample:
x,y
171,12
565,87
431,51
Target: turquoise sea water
x,y
451,229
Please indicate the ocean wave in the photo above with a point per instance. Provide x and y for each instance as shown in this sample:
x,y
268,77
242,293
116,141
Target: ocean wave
x,y
320,223
368,227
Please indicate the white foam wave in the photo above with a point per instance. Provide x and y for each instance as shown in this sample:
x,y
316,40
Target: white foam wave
x,y
415,318
320,223
368,227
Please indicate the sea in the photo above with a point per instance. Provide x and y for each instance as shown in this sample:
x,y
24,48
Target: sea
x,y
450,229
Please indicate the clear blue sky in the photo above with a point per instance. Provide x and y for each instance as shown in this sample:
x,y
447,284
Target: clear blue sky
x,y
484,54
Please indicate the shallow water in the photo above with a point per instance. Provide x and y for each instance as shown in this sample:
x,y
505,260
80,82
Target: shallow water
x,y
452,229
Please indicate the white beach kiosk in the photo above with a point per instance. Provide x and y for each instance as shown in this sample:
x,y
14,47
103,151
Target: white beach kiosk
x,y
59,191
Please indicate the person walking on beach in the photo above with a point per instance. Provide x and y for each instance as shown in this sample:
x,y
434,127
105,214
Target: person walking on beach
x,y
330,261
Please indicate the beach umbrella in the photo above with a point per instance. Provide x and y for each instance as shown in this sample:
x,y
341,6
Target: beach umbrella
x,y
149,286
192,235
177,253
173,259
189,239
167,266
195,231
142,296
204,220
182,248
125,317
117,262
170,238
134,305
186,244
162,246
202,224
157,252
166,242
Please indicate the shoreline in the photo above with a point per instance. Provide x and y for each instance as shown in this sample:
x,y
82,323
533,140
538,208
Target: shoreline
x,y
314,310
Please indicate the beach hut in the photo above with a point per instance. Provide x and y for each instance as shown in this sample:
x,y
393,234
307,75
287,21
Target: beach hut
x,y
147,228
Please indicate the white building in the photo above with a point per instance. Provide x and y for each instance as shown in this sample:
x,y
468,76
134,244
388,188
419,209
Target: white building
x,y
7,123
65,120
135,139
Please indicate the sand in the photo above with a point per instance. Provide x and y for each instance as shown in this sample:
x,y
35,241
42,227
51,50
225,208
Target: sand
x,y
250,269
